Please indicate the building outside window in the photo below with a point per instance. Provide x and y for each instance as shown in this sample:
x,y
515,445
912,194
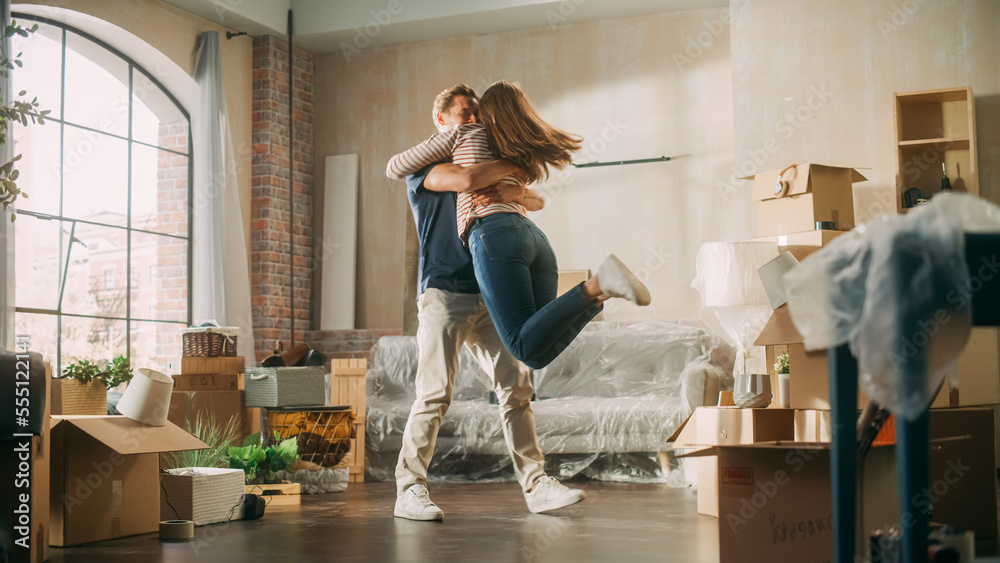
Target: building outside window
x,y
108,178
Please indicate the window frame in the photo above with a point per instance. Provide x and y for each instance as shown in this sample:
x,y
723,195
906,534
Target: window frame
x,y
128,229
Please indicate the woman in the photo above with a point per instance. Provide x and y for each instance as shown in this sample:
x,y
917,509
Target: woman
x,y
514,263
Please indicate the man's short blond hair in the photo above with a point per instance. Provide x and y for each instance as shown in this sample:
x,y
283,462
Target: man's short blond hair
x,y
444,100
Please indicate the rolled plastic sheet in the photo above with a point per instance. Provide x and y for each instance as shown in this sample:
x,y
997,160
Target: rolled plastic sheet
x,y
726,272
604,408
897,290
735,304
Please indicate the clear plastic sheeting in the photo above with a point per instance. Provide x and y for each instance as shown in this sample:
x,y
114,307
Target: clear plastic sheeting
x,y
604,409
734,303
897,290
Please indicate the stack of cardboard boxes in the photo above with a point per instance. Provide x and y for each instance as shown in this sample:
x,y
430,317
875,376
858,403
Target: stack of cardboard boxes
x,y
215,386
765,473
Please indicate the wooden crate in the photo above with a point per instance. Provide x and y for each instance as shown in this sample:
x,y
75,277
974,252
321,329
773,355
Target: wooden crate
x,y
355,459
347,387
347,384
278,494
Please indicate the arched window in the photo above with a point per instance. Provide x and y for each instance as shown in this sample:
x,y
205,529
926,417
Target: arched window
x,y
103,239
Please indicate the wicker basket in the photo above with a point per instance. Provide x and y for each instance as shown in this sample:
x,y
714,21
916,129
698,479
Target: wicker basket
x,y
324,433
209,342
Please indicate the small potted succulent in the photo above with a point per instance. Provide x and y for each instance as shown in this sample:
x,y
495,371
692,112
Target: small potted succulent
x,y
784,381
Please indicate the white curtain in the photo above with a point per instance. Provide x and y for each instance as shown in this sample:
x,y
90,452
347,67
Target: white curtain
x,y
221,276
6,228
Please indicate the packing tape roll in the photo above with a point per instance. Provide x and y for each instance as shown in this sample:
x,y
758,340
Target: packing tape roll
x,y
176,530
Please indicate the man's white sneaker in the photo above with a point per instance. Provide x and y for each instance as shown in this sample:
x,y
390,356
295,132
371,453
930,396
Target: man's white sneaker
x,y
616,280
415,504
550,494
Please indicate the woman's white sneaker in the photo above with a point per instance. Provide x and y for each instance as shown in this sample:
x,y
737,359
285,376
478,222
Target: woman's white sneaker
x,y
616,280
416,504
550,494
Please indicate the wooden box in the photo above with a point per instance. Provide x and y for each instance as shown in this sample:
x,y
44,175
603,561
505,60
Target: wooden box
x,y
347,387
210,366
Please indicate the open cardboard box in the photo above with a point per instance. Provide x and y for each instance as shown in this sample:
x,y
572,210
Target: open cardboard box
x,y
817,193
809,380
774,500
709,426
105,476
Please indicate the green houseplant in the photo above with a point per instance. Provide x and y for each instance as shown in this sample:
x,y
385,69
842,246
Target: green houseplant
x,y
21,111
219,437
261,463
83,387
118,371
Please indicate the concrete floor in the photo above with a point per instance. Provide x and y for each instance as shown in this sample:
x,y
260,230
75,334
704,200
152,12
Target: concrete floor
x,y
483,522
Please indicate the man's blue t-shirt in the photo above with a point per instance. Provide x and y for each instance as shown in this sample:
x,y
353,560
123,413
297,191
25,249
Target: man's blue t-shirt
x,y
445,263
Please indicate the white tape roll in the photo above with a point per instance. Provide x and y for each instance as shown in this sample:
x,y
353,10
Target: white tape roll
x,y
176,530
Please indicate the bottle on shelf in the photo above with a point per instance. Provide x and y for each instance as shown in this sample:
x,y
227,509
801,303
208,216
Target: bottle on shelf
x,y
945,182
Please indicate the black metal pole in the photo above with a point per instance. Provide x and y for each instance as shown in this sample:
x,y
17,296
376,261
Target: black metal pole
x,y
291,179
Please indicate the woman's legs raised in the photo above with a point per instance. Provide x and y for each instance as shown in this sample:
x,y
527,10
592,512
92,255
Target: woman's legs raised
x,y
517,275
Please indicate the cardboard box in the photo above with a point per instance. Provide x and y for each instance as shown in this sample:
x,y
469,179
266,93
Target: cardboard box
x,y
217,365
35,547
105,476
812,426
978,371
963,480
809,380
185,406
801,244
774,500
204,495
728,426
208,382
962,485
817,193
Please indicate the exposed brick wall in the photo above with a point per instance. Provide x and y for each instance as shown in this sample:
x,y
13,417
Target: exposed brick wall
x,y
271,236
337,344
171,254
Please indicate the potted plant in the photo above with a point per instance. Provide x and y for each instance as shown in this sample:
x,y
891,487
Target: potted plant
x,y
784,381
219,437
83,387
262,463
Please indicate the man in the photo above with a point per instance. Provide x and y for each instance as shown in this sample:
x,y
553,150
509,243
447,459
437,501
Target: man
x,y
451,312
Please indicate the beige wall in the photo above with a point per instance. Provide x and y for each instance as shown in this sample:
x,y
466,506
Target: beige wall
x,y
626,85
836,64
174,32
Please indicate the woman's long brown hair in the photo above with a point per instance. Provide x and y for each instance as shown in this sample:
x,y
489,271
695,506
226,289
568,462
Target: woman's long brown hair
x,y
517,133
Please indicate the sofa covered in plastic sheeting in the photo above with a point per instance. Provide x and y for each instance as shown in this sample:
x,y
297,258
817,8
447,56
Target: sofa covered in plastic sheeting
x,y
604,408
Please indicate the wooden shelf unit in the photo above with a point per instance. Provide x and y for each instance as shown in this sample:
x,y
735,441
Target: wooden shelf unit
x,y
935,126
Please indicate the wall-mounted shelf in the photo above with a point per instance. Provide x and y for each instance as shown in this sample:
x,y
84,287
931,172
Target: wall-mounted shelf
x,y
934,127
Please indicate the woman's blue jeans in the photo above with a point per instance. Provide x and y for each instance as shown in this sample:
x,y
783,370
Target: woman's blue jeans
x,y
517,274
